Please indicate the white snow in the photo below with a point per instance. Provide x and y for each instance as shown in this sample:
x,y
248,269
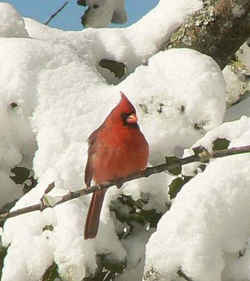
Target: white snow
x,y
207,224
237,77
53,95
163,94
244,55
234,86
101,13
11,23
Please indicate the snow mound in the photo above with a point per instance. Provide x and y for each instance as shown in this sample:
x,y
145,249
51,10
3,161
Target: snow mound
x,y
180,96
67,112
101,13
204,232
11,23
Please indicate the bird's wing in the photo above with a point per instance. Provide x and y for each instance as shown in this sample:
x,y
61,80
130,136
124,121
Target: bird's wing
x,y
88,172
91,154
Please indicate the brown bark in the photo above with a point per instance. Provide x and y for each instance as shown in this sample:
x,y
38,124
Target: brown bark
x,y
218,29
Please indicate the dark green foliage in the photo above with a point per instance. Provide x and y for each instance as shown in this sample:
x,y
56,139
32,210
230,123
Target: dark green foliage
x,y
176,185
101,276
111,264
202,167
132,211
172,160
220,143
108,269
3,252
118,68
22,175
200,151
49,227
152,217
51,274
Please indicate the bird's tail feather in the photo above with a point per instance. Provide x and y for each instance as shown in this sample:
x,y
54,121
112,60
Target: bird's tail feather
x,y
92,222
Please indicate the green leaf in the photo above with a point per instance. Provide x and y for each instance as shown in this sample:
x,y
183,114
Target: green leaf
x,y
111,264
3,252
176,185
118,68
175,165
49,227
51,274
151,216
198,149
21,174
202,167
220,144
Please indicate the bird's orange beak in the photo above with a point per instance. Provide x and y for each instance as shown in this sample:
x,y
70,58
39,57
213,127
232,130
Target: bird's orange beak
x,y
132,118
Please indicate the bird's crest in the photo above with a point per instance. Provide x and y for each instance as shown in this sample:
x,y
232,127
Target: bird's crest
x,y
125,105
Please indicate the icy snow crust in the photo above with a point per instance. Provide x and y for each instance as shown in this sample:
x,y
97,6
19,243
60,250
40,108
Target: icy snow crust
x,y
61,96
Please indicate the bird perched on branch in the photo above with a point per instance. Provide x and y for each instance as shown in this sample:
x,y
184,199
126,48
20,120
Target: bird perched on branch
x,y
116,149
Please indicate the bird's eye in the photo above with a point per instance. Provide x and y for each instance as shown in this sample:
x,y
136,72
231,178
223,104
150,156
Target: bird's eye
x,y
129,119
124,117
95,6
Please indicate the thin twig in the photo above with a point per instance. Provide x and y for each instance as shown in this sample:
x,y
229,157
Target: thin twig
x,y
201,155
56,12
49,188
183,275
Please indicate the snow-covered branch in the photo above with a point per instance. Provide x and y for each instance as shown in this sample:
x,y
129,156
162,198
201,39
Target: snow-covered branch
x,y
218,30
172,163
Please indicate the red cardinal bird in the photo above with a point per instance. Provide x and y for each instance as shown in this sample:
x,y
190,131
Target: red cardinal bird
x,y
116,149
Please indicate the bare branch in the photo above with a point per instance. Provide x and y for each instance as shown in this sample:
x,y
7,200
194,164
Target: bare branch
x,y
200,155
183,275
56,12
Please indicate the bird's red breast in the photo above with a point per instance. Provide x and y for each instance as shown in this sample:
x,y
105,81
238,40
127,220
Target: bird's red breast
x,y
116,149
